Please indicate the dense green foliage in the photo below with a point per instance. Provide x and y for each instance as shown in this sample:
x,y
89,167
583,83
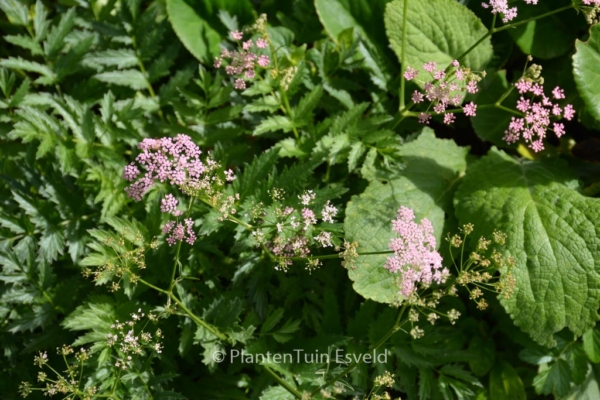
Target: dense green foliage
x,y
84,82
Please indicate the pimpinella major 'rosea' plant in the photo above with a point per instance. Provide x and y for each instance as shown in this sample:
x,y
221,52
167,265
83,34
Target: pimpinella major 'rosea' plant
x,y
262,215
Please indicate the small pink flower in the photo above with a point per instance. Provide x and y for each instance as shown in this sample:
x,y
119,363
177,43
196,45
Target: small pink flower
x,y
236,35
263,60
449,118
472,87
239,84
523,105
455,63
424,118
558,93
430,66
410,73
247,45
470,109
559,129
417,97
569,112
439,75
261,43
218,62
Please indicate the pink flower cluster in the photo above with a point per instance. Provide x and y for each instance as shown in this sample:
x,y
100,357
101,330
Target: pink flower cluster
x,y
173,160
178,231
501,7
444,89
242,63
415,256
533,126
595,3
295,227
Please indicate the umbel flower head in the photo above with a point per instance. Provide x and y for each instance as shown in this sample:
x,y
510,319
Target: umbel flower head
x,y
415,255
176,162
445,88
538,110
241,63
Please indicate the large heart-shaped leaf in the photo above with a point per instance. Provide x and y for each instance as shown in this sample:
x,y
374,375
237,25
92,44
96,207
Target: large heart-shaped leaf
x,y
553,233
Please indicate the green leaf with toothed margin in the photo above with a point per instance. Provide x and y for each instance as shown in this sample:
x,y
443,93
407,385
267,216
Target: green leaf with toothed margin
x,y
553,233
437,30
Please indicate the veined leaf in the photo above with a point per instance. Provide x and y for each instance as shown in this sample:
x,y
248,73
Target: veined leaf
x,y
194,32
437,30
122,58
130,77
552,232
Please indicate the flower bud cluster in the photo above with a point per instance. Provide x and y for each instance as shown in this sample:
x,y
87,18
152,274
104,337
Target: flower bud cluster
x,y
69,384
128,343
129,259
445,88
478,271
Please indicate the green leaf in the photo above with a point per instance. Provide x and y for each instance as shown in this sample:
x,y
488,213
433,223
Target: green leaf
x,y
266,103
547,37
366,16
585,70
56,37
276,393
25,42
273,124
123,58
591,345
484,353
505,383
425,186
552,233
194,32
25,65
130,77
272,320
16,11
556,379
491,123
302,113
437,30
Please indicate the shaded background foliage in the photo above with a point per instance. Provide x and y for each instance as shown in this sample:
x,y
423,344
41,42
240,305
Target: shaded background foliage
x,y
84,82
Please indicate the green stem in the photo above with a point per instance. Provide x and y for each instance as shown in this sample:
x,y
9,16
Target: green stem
x,y
283,383
379,343
282,94
146,77
334,256
525,21
509,26
403,57
190,314
172,281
